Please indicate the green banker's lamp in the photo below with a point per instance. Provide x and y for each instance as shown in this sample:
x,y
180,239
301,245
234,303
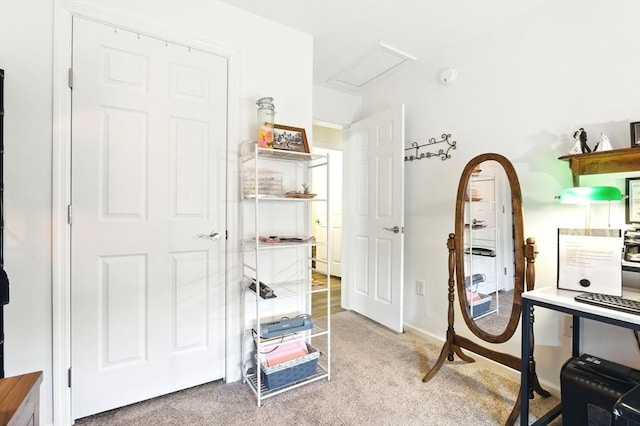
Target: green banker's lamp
x,y
587,195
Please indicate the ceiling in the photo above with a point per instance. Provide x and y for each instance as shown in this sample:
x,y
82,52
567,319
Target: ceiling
x,y
348,32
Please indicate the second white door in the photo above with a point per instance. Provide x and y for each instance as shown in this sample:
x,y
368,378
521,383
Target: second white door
x,y
373,217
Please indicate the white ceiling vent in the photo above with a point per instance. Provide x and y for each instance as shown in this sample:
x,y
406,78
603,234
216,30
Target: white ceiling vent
x,y
368,68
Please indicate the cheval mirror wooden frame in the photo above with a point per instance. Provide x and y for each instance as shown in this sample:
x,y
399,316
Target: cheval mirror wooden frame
x,y
456,246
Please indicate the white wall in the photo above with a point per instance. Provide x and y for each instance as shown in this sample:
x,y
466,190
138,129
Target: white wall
x,y
26,55
521,91
26,30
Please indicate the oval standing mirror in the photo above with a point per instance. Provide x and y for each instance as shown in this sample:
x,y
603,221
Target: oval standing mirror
x,y
487,267
489,247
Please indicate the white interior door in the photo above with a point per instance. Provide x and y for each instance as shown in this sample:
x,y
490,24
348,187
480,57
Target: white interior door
x,y
320,219
148,166
373,207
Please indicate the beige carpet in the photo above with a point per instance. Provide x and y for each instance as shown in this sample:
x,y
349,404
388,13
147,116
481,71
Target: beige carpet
x,y
495,323
376,380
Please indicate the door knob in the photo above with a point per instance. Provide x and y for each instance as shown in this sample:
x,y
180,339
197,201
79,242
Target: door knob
x,y
213,236
395,229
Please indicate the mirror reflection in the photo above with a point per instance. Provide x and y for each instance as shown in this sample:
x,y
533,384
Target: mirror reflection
x,y
488,242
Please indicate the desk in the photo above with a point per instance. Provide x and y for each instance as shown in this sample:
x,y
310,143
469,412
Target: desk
x,y
561,301
20,400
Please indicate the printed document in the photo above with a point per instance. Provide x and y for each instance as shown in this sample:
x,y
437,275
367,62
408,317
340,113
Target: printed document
x,y
590,260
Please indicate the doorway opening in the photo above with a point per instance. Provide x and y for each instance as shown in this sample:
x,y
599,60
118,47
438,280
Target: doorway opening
x,y
327,139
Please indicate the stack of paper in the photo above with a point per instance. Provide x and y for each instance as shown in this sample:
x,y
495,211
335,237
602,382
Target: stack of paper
x,y
286,352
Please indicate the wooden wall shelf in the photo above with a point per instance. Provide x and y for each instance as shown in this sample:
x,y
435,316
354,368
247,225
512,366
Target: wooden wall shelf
x,y
617,160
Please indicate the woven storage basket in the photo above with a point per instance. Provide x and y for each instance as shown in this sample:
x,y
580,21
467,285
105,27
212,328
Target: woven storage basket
x,y
290,371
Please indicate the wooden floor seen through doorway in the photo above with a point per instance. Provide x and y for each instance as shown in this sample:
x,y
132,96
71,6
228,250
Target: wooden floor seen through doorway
x,y
319,300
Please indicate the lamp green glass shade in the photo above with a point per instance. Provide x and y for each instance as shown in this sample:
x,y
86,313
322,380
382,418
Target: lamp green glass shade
x,y
590,194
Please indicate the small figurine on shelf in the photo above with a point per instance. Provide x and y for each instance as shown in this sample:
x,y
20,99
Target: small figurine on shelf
x,y
603,144
580,145
575,149
580,136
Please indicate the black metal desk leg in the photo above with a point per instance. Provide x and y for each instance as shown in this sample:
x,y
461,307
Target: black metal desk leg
x,y
575,337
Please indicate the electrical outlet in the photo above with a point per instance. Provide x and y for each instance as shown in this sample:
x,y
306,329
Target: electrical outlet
x,y
420,288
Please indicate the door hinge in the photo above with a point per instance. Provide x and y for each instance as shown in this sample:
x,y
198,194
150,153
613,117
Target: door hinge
x,y
69,377
70,78
69,214
226,235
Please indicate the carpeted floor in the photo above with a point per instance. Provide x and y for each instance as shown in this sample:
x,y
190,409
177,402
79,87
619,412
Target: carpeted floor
x,y
496,322
376,380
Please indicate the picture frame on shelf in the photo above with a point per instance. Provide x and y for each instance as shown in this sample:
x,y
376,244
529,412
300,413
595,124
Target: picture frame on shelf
x,y
290,138
635,134
632,207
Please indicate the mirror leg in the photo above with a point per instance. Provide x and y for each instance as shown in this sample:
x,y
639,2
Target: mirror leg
x,y
444,353
515,412
449,348
462,355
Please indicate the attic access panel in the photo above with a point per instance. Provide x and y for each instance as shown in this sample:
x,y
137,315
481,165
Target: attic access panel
x,y
370,67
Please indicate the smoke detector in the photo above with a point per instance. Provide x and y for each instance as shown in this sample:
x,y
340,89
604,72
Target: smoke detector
x,y
448,76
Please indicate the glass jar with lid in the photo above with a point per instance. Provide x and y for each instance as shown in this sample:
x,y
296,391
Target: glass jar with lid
x,y
266,113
